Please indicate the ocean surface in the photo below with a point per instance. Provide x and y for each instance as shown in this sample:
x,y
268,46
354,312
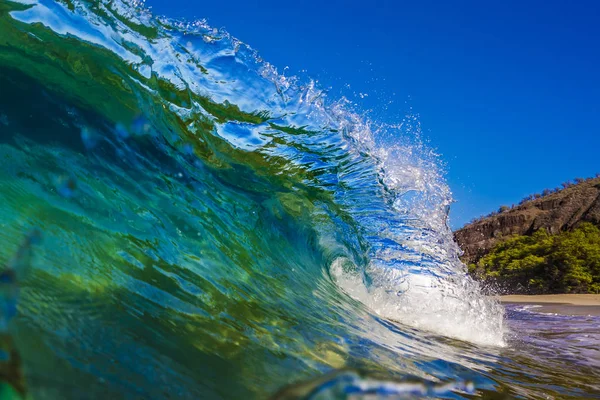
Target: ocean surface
x,y
181,221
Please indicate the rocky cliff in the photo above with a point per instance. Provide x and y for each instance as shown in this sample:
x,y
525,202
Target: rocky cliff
x,y
557,211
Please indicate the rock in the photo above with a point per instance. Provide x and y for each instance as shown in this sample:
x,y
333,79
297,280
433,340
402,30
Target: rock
x,y
555,212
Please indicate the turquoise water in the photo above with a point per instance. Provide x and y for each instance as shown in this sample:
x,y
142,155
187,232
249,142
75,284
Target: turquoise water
x,y
185,222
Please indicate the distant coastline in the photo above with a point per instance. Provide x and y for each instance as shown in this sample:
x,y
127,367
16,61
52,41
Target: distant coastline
x,y
547,244
571,299
563,304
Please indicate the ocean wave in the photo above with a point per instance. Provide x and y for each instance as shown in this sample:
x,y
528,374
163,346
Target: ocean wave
x,y
210,209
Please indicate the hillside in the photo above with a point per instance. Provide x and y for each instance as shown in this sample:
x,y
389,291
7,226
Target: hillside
x,y
556,211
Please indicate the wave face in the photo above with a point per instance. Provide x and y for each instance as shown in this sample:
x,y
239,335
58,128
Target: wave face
x,y
211,228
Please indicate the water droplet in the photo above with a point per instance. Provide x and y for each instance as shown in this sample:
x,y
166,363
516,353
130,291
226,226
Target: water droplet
x,y
140,125
89,137
121,131
66,186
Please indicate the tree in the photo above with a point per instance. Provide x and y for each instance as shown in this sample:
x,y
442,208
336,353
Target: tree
x,y
568,262
503,209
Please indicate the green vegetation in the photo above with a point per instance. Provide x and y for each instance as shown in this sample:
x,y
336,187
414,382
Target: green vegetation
x,y
568,262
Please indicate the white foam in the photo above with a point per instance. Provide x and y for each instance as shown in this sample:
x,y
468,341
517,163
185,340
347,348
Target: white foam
x,y
426,303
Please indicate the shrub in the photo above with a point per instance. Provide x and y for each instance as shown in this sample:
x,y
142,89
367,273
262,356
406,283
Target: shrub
x,y
568,262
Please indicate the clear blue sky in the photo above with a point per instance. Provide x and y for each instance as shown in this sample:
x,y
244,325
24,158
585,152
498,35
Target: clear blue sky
x,y
507,91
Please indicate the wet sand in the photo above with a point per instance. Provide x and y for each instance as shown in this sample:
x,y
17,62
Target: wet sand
x,y
566,304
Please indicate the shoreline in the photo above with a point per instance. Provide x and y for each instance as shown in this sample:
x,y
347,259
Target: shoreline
x,y
562,304
569,299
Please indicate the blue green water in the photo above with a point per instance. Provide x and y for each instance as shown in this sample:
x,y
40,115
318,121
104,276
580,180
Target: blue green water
x,y
185,222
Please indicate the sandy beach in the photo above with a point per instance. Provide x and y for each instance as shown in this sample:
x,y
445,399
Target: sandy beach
x,y
572,299
566,304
